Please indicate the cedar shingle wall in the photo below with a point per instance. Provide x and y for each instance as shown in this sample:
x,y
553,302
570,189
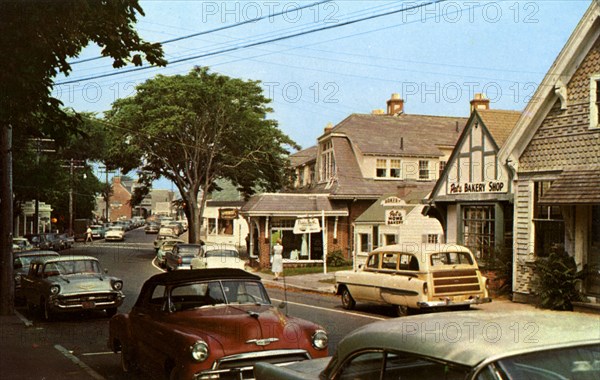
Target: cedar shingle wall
x,y
564,138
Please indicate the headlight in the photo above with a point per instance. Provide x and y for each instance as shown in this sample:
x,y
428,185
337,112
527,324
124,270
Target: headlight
x,y
320,340
199,351
54,290
117,285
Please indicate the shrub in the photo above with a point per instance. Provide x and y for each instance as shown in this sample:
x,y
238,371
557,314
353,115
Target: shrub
x,y
336,259
556,281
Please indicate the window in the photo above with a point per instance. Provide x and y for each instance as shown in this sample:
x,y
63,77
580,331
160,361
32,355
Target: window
x,y
442,167
478,231
395,166
423,169
548,222
212,226
592,280
381,170
431,238
409,262
373,262
390,239
327,161
389,261
364,242
595,101
225,227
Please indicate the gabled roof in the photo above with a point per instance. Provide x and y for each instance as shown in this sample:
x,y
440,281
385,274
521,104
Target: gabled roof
x,y
499,123
562,70
304,156
402,135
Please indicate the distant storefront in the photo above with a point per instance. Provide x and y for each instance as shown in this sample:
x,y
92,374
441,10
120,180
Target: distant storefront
x,y
224,224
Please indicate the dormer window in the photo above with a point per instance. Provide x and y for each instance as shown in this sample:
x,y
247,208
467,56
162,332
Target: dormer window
x,y
595,101
327,167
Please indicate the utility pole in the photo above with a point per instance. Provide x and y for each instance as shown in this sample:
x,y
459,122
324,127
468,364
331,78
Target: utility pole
x,y
106,171
73,164
7,282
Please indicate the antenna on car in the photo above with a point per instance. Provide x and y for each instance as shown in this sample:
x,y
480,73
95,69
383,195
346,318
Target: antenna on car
x,y
285,294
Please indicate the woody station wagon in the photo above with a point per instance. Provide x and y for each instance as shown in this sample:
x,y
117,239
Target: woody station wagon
x,y
415,277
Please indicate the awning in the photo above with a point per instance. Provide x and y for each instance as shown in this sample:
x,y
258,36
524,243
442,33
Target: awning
x,y
579,186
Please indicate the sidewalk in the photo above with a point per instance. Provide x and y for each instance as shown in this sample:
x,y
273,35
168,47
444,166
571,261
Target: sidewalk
x,y
28,352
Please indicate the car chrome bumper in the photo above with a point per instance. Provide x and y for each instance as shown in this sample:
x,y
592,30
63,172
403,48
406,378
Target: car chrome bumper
x,y
448,302
241,366
87,302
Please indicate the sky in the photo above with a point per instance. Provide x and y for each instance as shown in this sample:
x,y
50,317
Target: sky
x,y
320,61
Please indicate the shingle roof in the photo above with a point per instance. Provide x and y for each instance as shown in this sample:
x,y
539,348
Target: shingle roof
x,y
402,135
580,185
293,204
499,123
304,156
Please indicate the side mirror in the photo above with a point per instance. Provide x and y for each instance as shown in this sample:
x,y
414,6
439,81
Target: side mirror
x,y
105,270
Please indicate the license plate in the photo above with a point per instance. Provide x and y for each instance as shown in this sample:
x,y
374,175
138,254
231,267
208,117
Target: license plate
x,y
88,305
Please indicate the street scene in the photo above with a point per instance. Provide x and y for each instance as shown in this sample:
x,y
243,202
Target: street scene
x,y
300,190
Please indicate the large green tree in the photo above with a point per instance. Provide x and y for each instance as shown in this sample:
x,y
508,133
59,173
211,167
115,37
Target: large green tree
x,y
194,129
36,41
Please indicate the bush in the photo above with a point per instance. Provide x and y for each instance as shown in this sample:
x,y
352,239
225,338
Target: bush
x,y
556,281
336,259
501,264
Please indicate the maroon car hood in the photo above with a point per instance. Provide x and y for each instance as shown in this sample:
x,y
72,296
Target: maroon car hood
x,y
240,328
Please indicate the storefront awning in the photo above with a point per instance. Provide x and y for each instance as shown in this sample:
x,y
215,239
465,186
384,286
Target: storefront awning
x,y
579,186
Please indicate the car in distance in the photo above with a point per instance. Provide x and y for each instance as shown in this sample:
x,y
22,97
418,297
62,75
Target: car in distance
x,y
467,345
21,261
151,228
218,256
437,276
20,244
180,257
167,245
115,233
209,324
70,283
162,237
98,231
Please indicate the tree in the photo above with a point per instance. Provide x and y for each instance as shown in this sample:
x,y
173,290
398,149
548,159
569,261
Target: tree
x,y
194,129
35,42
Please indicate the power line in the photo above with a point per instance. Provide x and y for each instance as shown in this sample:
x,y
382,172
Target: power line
x,y
258,43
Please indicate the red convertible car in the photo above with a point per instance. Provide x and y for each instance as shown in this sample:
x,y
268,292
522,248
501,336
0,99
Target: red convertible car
x,y
209,324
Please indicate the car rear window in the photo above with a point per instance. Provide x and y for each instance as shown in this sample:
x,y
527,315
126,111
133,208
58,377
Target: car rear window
x,y
450,258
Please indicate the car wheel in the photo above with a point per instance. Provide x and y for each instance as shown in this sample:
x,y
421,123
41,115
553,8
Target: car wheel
x,y
348,302
127,361
110,312
403,311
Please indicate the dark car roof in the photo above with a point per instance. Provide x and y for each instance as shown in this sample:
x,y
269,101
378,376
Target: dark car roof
x,y
63,258
201,275
35,253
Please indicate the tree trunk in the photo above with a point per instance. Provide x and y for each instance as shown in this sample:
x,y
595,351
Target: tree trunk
x,y
7,284
194,220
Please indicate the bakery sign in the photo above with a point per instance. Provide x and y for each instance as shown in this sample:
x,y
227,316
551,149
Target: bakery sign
x,y
228,213
307,226
478,187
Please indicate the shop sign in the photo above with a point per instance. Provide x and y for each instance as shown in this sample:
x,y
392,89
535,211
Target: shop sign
x,y
477,187
228,213
307,226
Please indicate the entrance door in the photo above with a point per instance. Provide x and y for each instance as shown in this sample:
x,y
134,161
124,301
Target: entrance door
x,y
592,283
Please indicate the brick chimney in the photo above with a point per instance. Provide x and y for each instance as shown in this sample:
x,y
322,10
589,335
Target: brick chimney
x,y
404,190
480,102
395,105
328,128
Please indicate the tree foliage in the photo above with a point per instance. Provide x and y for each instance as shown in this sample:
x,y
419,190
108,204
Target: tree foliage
x,y
36,41
194,129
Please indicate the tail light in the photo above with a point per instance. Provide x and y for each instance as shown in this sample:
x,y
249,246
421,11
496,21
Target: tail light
x,y
179,260
425,288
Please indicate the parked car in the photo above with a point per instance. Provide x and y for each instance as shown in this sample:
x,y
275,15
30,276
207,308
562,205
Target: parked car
x,y
460,345
115,233
209,324
218,256
175,226
65,241
98,231
21,261
166,246
160,238
70,283
437,276
151,228
20,244
180,257
46,241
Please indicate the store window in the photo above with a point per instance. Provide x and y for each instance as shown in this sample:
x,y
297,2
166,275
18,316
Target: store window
x,y
225,227
212,226
592,280
478,223
548,223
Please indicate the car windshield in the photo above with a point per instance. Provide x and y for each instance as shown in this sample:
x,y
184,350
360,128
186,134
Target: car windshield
x,y
23,261
222,253
450,258
575,363
69,267
115,228
211,293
